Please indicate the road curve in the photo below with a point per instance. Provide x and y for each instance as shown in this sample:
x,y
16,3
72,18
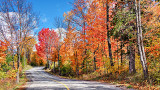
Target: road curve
x,y
38,79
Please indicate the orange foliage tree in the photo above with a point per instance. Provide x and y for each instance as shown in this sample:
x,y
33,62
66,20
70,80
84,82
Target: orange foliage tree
x,y
3,48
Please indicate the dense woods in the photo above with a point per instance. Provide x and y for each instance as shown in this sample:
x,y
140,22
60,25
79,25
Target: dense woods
x,y
98,39
114,38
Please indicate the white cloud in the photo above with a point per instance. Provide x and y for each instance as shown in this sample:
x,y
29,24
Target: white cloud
x,y
61,31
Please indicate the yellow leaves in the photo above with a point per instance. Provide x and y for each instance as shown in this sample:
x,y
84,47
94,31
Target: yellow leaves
x,y
11,73
68,15
152,15
2,59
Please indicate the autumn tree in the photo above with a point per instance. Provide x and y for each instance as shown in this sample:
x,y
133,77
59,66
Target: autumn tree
x,y
140,39
19,20
47,42
27,49
58,23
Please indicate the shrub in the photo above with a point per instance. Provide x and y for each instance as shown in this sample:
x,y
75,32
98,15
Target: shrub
x,y
66,70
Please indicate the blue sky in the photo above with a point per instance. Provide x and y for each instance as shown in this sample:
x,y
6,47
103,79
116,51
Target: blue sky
x,y
49,9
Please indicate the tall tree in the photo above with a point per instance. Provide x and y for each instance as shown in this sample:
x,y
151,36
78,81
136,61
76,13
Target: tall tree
x,y
140,39
108,33
20,21
47,40
59,24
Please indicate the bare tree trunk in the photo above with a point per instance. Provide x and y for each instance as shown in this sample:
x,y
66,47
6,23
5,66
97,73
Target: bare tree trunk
x,y
54,65
77,67
121,52
94,60
87,66
12,48
30,58
47,52
13,58
132,59
59,69
24,57
48,64
140,40
117,55
18,63
108,36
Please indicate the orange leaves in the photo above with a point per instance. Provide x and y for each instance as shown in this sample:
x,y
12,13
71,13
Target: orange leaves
x,y
154,50
151,36
37,60
3,48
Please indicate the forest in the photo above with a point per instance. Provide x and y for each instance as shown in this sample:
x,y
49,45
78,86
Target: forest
x,y
103,40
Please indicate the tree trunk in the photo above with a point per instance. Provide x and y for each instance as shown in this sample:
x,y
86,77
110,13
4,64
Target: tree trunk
x,y
94,61
117,55
13,59
121,52
86,66
54,65
24,57
132,59
48,63
108,36
30,58
77,67
18,63
140,40
59,70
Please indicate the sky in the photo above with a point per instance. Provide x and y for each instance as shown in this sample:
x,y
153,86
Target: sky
x,y
48,10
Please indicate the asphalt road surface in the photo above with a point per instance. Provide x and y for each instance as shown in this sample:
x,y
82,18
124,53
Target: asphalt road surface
x,y
38,79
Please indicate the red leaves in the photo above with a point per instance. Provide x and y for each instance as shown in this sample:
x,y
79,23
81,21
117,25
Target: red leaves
x,y
47,40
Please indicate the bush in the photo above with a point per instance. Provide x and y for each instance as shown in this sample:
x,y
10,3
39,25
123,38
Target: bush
x,y
129,86
5,67
66,70
2,75
33,64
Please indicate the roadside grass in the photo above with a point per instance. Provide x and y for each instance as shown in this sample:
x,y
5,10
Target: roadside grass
x,y
7,84
56,74
10,84
27,67
23,78
21,82
134,81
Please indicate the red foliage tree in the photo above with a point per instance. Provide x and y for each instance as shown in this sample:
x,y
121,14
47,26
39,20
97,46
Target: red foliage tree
x,y
47,41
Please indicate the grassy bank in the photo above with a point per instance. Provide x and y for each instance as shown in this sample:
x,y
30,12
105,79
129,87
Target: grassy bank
x,y
129,81
10,83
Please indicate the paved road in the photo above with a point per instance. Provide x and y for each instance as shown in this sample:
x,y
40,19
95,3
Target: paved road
x,y
40,80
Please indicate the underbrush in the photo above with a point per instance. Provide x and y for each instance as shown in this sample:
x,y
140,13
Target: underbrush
x,y
122,78
10,84
135,81
8,79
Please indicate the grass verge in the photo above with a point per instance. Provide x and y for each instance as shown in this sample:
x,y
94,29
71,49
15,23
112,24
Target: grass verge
x,y
10,84
127,82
